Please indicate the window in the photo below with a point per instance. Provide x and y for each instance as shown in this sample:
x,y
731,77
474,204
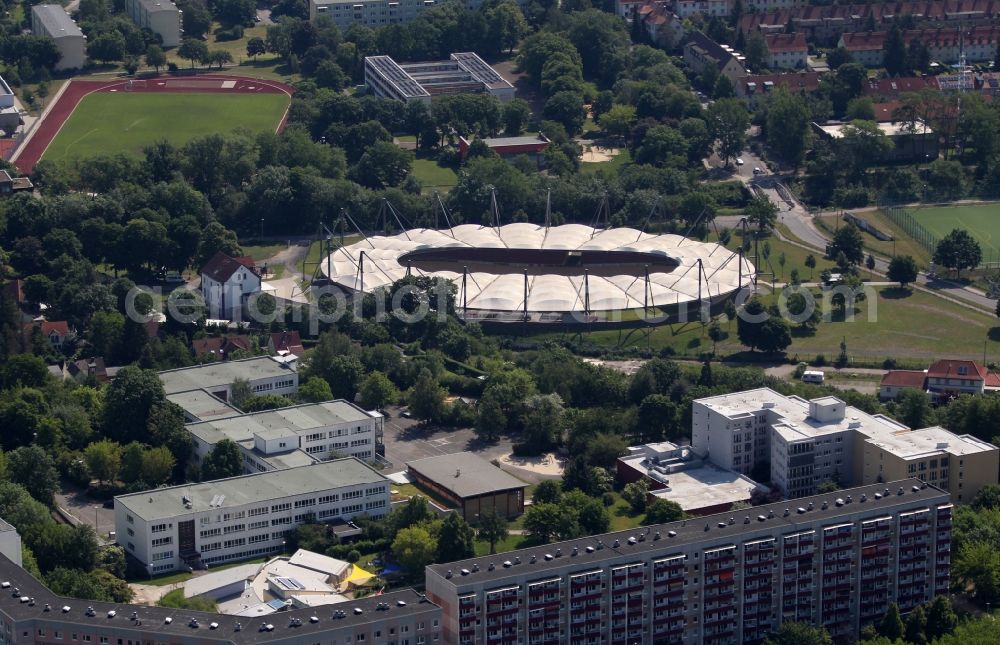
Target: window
x,y
319,436
254,512
165,555
231,543
277,508
210,533
257,525
130,532
163,541
129,518
158,528
264,537
281,520
353,494
302,503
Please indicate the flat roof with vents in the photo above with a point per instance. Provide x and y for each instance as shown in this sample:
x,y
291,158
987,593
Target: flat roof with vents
x,y
163,503
462,72
714,530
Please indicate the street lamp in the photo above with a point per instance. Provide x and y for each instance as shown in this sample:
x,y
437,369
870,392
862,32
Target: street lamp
x,y
262,230
97,523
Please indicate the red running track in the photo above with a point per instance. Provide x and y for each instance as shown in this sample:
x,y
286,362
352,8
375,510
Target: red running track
x,y
53,120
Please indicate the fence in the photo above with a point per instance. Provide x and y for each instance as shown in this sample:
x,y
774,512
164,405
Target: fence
x,y
901,217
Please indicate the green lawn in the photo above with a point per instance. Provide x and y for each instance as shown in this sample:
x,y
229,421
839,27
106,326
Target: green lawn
x,y
903,244
260,252
434,177
980,220
944,328
614,165
112,122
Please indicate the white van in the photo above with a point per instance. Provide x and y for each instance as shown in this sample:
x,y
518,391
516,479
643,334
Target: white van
x,y
813,376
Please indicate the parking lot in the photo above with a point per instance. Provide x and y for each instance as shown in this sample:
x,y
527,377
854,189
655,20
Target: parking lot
x,y
407,440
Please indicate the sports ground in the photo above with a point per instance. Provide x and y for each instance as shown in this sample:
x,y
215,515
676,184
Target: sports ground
x,y
90,117
982,221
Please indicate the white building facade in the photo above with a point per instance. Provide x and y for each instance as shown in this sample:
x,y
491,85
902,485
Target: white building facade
x,y
167,529
321,430
52,20
162,17
264,375
226,285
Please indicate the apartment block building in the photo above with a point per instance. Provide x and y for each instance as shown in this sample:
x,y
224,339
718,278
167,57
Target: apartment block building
x,y
313,431
34,614
947,44
52,20
162,17
232,519
375,13
799,444
836,560
700,51
264,374
786,51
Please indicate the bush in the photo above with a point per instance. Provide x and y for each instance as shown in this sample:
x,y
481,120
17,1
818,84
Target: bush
x,y
353,556
608,499
448,157
889,364
820,360
232,33
851,196
171,67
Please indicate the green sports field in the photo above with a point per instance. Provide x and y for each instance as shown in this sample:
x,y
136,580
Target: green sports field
x,y
982,221
111,122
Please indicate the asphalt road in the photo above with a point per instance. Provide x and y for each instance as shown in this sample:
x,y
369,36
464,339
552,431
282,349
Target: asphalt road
x,y
802,225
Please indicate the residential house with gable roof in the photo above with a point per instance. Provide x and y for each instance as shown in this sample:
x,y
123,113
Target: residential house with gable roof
x,y
226,283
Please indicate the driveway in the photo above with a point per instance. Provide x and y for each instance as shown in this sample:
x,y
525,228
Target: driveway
x,y
83,509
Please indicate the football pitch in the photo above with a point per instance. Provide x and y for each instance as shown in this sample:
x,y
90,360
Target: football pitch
x,y
982,221
125,122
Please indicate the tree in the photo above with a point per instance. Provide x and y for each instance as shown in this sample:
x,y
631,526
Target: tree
x,y
24,370
958,250
793,633
104,460
548,491
261,402
197,19
426,399
516,114
661,511
456,539
382,165
219,57
870,264
224,460
988,497
916,627
892,625
810,263
156,57
128,401
107,47
157,465
566,108
618,121
377,391
761,211
635,494
414,548
978,564
193,50
756,52
902,269
728,121
787,124
550,522
491,422
492,528
894,52
315,390
256,47
715,334
541,422
941,618
914,409
33,468
847,240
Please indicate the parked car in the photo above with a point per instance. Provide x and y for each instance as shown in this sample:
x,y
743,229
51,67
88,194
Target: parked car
x,y
739,161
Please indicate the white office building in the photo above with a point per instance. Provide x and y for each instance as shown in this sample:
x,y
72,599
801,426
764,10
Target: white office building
x,y
462,73
801,444
294,436
264,374
52,20
162,17
166,529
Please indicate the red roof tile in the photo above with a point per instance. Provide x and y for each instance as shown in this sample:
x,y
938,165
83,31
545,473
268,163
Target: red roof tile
x,y
777,43
950,369
904,378
222,267
288,341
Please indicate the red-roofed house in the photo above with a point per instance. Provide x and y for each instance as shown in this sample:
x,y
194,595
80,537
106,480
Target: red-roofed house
x,y
892,88
220,347
752,88
895,381
226,283
956,377
286,341
56,331
946,45
86,368
786,51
